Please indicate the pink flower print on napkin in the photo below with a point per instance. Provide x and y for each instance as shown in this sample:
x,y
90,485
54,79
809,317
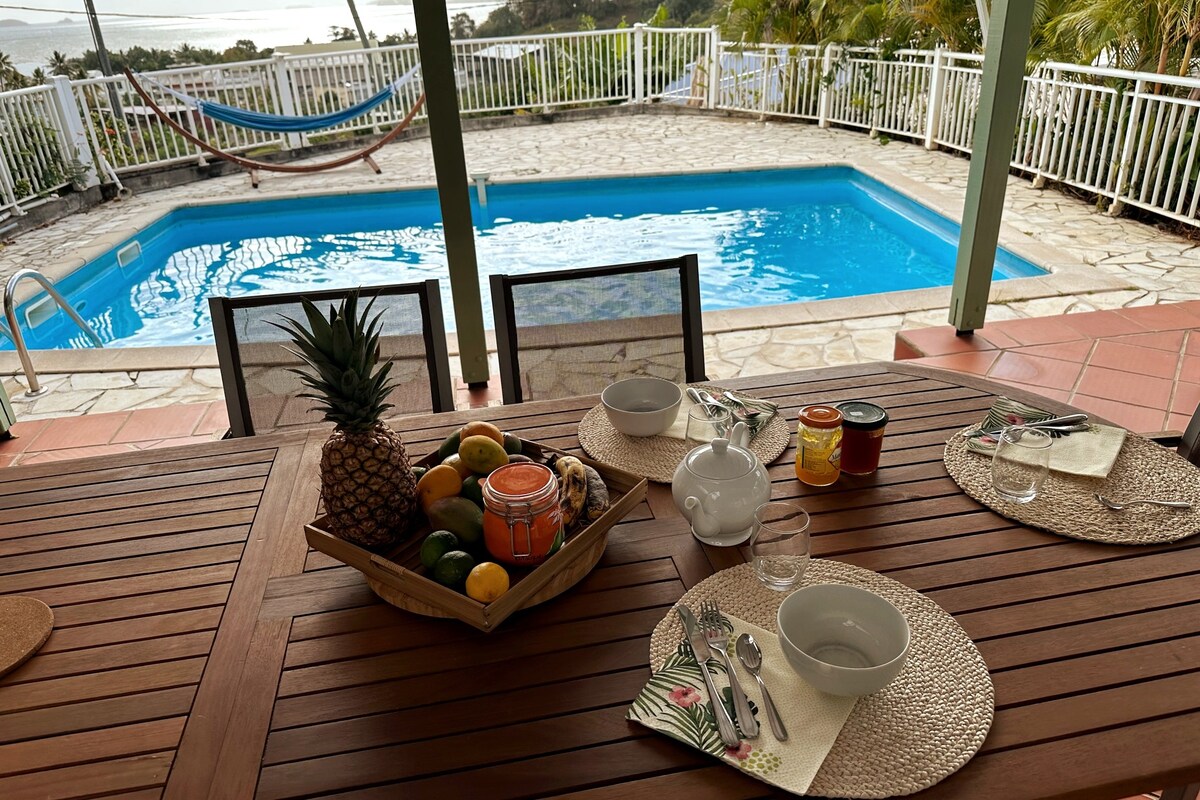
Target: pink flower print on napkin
x,y
684,696
741,752
1013,419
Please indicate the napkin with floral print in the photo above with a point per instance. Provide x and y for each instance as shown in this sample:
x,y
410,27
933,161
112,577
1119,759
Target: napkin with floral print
x,y
675,702
1089,453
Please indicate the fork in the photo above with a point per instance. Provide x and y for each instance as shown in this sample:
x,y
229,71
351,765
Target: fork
x,y
712,624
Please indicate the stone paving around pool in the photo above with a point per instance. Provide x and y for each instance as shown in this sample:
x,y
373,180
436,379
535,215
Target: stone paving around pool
x,y
1133,263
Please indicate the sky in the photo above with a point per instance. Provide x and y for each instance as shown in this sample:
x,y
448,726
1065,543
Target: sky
x,y
186,7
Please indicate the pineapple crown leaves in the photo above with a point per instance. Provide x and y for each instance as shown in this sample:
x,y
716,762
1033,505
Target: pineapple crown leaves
x,y
341,353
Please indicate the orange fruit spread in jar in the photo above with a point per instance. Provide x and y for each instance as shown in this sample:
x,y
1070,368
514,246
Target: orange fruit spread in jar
x,y
522,520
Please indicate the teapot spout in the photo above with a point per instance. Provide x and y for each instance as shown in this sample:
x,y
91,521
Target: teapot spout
x,y
704,524
740,435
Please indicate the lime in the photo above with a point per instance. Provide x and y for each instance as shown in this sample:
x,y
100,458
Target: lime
x,y
436,545
453,568
472,490
487,582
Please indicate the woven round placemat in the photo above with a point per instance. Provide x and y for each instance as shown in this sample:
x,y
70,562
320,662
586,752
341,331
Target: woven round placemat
x,y
920,728
656,457
25,625
1067,504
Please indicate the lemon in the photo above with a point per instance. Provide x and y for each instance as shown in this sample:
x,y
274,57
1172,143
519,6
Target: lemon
x,y
486,582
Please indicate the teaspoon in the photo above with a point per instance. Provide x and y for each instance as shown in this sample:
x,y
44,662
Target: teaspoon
x,y
751,658
1115,506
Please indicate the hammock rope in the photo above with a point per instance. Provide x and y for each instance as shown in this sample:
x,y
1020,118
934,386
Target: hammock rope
x,y
280,123
253,165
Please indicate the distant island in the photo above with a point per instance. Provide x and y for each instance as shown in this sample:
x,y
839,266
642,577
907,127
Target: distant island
x,y
12,23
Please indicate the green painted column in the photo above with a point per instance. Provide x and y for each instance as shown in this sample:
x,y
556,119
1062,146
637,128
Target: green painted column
x,y
450,164
991,152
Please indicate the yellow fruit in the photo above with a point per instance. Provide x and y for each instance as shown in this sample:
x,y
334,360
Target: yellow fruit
x,y
486,582
482,454
440,481
462,469
483,429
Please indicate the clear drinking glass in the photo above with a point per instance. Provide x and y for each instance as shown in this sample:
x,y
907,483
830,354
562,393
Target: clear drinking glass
x,y
779,544
706,423
1020,463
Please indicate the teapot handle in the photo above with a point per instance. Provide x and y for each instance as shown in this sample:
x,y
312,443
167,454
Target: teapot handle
x,y
740,435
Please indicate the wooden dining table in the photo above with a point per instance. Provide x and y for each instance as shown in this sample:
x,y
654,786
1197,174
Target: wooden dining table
x,y
201,649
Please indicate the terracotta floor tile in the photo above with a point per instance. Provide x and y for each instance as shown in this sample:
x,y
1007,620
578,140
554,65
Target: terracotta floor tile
x,y
1189,370
942,340
1164,340
1163,317
996,336
1178,422
47,456
7,459
1186,399
1062,395
1125,387
1140,360
1075,352
1035,370
74,432
1135,418
1039,330
969,363
146,424
179,442
1193,343
23,434
216,419
1101,324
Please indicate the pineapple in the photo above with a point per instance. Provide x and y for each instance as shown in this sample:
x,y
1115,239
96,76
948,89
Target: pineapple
x,y
367,486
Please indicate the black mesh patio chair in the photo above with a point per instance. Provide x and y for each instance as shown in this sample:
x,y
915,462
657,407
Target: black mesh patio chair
x,y
575,331
260,392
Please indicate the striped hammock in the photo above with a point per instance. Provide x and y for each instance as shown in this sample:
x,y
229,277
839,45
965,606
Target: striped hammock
x,y
280,123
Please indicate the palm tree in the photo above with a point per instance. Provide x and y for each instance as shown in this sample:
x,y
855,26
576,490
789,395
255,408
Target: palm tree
x,y
59,64
9,77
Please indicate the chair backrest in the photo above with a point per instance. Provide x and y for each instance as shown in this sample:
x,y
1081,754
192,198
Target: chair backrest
x,y
1189,444
261,393
574,331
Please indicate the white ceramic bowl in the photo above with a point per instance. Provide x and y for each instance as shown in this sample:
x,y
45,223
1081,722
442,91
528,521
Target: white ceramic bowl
x,y
841,639
642,406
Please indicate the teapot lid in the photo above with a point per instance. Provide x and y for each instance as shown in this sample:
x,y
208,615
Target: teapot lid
x,y
720,461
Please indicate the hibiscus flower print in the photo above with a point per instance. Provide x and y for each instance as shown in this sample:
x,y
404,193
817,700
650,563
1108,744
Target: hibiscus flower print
x,y
741,752
1013,419
684,696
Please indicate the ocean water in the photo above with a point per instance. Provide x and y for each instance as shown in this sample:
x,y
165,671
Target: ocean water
x,y
30,46
762,238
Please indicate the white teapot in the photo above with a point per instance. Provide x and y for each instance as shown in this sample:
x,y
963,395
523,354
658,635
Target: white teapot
x,y
718,486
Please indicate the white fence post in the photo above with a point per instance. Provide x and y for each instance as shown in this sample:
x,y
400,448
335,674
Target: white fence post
x,y
639,63
933,107
1128,148
8,192
287,100
714,67
73,133
1046,130
825,96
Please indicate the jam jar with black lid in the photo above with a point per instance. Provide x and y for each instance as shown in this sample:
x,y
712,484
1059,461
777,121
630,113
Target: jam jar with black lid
x,y
863,425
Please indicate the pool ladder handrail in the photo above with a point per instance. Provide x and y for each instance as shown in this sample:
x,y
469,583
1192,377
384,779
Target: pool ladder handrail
x,y
13,331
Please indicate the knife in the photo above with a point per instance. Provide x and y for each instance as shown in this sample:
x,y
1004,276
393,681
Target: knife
x,y
701,651
1065,424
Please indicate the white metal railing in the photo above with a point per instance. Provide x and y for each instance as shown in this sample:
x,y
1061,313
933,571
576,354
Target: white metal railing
x,y
1129,137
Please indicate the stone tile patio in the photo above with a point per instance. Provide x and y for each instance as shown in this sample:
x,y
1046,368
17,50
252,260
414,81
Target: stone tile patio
x,y
1126,263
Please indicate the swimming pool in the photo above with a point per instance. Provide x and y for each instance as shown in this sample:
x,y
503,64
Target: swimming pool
x,y
763,237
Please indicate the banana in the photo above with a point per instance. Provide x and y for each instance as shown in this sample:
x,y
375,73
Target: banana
x,y
597,493
573,491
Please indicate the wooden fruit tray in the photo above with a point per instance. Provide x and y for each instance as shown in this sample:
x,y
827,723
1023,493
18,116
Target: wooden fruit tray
x,y
400,579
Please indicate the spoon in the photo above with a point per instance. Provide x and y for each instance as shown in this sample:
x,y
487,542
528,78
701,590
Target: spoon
x,y
1115,506
751,658
747,411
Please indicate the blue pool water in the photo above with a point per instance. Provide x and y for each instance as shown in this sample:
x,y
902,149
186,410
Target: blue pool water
x,y
763,237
